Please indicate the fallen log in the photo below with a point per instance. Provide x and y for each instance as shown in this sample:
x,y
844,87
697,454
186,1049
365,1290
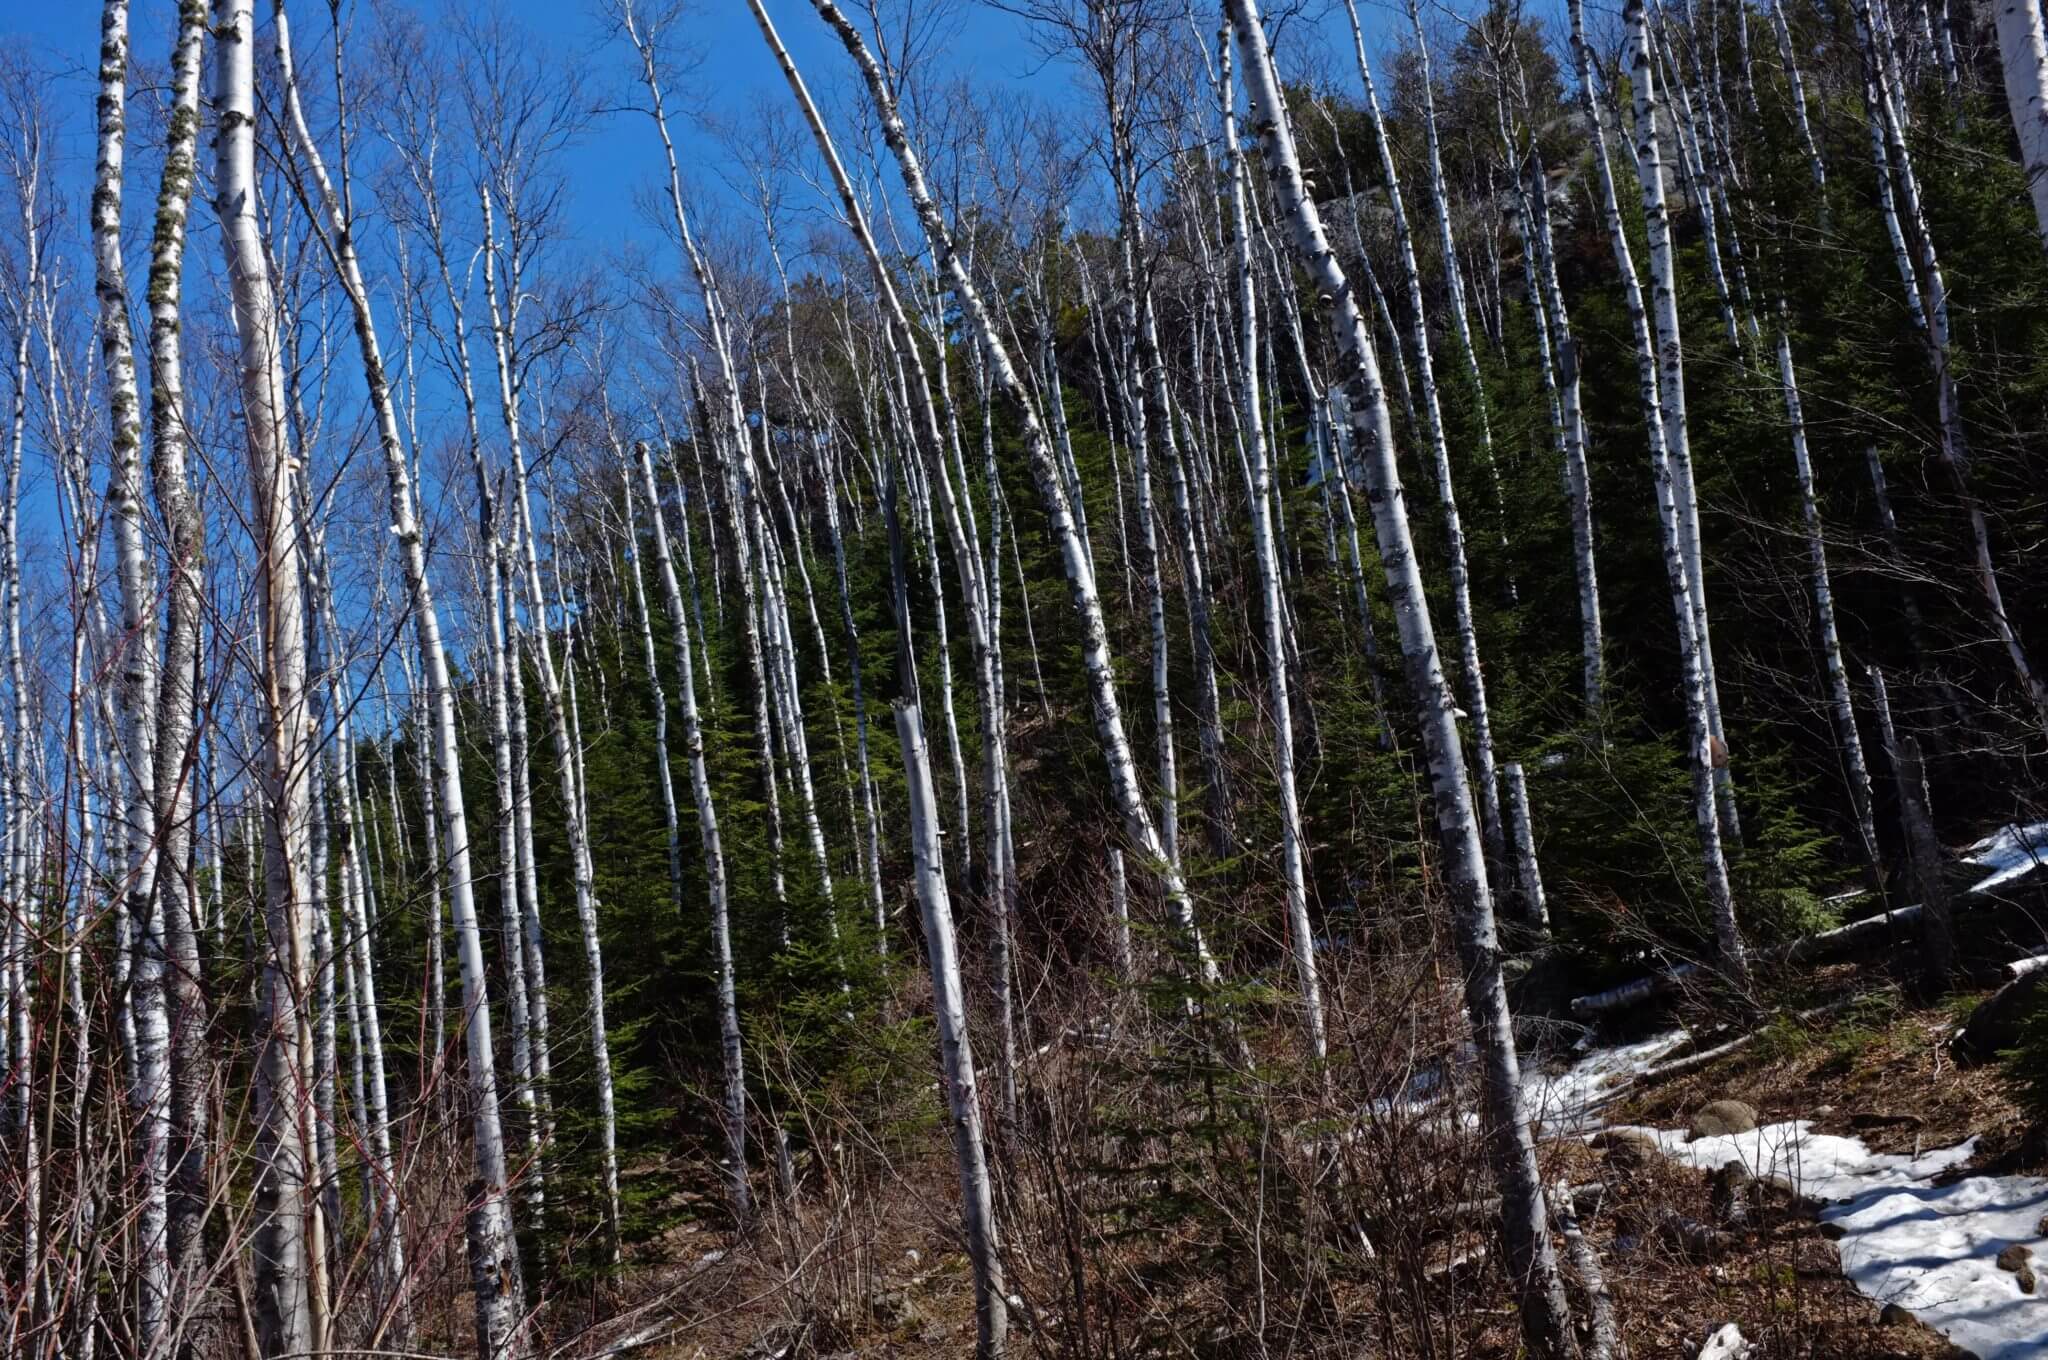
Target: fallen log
x,y
1823,944
1692,1062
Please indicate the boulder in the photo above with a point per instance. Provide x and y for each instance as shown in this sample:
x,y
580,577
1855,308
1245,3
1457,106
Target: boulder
x,y
894,1309
1718,1118
1629,1149
1994,1025
2018,1259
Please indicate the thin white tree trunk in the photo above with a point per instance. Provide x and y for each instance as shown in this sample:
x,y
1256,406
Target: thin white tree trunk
x,y
291,1286
1921,271
1300,933
177,750
1558,354
1454,278
493,1251
1714,863
1492,838
1842,707
1797,83
1528,872
956,1052
731,1051
1080,570
1671,387
1532,1262
135,696
657,696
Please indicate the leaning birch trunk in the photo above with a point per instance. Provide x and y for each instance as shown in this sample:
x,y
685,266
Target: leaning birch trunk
x,y
1921,272
1491,837
914,389
1923,850
1300,933
1454,277
493,1250
135,698
1720,895
1080,569
1797,86
1532,1262
956,1053
1855,771
582,873
657,696
290,1284
1671,384
2023,53
177,753
734,1060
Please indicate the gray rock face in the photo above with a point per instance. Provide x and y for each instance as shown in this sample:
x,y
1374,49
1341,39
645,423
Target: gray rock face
x,y
1718,1118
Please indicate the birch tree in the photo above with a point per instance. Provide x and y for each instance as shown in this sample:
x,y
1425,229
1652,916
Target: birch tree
x,y
1079,566
493,1250
290,1246
1670,527
2023,57
1532,1262
136,694
956,1050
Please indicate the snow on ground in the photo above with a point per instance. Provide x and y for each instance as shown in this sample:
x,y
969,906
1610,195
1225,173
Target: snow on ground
x,y
1931,1249
1566,1102
2011,852
1569,1101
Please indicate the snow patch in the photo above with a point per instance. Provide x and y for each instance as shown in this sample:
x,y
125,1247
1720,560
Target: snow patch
x,y
1819,1166
1569,1101
1931,1249
2011,852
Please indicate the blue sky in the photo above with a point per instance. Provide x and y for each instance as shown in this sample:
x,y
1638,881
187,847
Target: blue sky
x,y
987,45
63,36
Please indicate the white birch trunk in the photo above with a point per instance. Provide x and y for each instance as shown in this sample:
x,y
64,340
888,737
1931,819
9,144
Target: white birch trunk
x,y
1797,83
1560,355
734,1060
177,752
1300,933
1492,840
493,1251
1528,872
1922,272
1080,570
956,1052
1714,864
135,697
1671,385
1842,708
1545,1315
290,1279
